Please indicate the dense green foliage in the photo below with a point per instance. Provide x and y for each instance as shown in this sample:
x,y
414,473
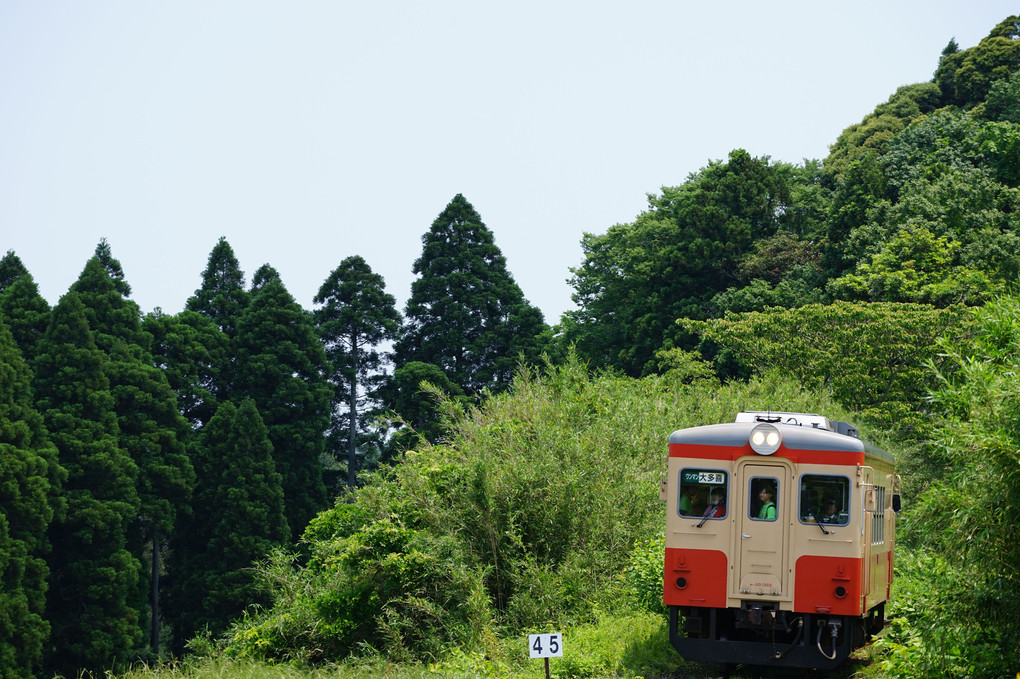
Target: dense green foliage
x,y
239,518
30,484
1003,103
874,132
25,312
191,352
281,365
222,299
965,527
918,203
93,575
637,279
411,394
965,77
873,358
150,428
946,227
222,296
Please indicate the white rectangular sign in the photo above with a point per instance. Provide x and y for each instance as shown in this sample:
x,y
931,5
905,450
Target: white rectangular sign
x,y
545,645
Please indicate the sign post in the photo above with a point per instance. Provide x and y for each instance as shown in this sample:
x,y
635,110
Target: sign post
x,y
549,645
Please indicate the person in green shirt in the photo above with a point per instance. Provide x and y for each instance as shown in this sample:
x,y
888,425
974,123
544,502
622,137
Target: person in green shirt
x,y
768,507
687,501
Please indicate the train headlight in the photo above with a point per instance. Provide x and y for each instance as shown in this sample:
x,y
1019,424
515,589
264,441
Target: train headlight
x,y
765,439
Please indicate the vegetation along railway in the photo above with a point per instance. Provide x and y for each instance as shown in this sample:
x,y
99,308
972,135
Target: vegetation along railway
x,y
780,532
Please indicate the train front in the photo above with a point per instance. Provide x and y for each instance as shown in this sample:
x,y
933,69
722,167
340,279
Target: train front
x,y
778,545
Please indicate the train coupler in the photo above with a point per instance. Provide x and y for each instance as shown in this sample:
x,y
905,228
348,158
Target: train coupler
x,y
761,618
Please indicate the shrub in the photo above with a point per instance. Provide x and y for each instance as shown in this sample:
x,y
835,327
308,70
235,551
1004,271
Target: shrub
x,y
384,586
644,574
927,635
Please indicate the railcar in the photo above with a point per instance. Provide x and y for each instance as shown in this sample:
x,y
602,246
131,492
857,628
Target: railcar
x,y
780,533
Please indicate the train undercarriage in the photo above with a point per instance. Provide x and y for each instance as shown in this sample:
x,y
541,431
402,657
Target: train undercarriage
x,y
759,634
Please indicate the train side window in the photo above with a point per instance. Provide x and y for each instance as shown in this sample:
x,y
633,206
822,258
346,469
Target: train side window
x,y
703,493
825,499
763,498
878,518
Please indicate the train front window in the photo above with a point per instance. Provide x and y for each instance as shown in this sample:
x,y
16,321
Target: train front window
x,y
703,493
825,499
763,498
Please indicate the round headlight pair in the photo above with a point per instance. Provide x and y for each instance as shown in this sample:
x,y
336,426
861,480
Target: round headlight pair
x,y
765,439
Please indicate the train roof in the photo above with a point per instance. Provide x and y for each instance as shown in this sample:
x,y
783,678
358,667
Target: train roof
x,y
774,416
800,431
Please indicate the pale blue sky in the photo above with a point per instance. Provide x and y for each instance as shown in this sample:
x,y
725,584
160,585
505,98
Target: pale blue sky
x,y
309,131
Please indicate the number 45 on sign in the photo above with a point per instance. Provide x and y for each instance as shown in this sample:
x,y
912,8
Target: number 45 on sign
x,y
546,645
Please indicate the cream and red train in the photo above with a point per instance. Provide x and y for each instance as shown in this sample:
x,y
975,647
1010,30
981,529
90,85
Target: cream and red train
x,y
779,540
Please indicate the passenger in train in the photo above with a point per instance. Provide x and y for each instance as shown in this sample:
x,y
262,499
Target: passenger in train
x,y
717,507
687,500
768,507
830,514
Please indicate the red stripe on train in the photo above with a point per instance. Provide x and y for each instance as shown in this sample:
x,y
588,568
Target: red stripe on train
x,y
834,457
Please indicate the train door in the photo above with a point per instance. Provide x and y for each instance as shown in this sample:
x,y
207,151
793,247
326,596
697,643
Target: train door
x,y
763,521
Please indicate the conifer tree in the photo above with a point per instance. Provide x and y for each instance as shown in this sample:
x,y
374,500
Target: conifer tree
x,y
93,575
29,497
356,317
151,430
281,365
24,310
222,298
114,271
11,269
238,518
466,314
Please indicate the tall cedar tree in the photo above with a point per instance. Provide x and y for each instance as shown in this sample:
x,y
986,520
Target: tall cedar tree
x,y
357,315
11,269
151,430
466,314
29,497
281,365
94,576
222,298
239,517
24,310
